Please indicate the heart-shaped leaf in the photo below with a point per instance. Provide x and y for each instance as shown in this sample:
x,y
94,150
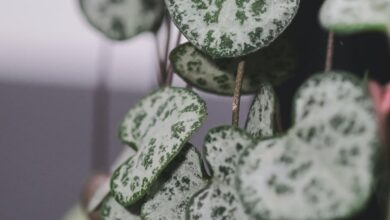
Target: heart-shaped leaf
x,y
274,64
112,210
182,179
220,200
261,121
123,19
104,189
231,28
323,167
159,126
345,16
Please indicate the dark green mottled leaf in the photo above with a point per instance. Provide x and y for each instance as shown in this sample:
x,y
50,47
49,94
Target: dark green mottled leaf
x,y
219,200
322,168
123,19
104,188
261,121
182,179
274,64
346,16
231,28
112,210
159,126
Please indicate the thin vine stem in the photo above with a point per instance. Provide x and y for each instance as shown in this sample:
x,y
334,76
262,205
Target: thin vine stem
x,y
329,52
166,51
170,68
161,73
237,93
101,110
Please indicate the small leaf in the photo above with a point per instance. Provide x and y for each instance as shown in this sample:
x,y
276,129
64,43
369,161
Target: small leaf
x,y
274,63
261,118
345,16
123,19
104,189
159,125
112,210
323,167
231,28
219,200
181,180
222,147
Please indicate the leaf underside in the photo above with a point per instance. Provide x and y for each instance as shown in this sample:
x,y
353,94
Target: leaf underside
x,y
123,19
345,16
274,64
220,200
158,126
323,167
181,180
104,189
112,210
261,118
231,28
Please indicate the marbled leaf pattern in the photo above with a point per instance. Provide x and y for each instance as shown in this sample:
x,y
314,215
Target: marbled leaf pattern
x,y
261,121
159,126
231,28
123,19
275,64
112,210
322,168
347,16
220,200
183,178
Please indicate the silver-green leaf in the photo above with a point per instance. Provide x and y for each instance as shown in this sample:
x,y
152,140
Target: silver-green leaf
x,y
112,210
231,28
346,16
123,19
322,168
182,179
159,126
220,200
261,121
275,64
104,189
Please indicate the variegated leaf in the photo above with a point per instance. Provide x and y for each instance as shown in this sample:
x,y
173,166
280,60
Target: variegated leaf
x,y
323,167
219,200
76,213
231,28
123,19
104,189
261,121
274,63
112,210
160,125
346,16
182,179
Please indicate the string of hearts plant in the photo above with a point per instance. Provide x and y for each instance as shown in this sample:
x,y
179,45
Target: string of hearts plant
x,y
323,167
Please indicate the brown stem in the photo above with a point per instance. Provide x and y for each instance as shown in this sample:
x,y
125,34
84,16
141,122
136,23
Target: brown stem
x,y
237,93
329,52
170,68
160,75
166,51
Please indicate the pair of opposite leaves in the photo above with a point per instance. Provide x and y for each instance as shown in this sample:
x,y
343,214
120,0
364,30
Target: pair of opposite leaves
x,y
323,166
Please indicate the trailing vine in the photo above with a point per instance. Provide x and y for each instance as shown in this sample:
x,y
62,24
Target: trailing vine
x,y
323,167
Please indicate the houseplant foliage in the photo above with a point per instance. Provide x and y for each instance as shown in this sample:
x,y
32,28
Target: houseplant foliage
x,y
321,168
